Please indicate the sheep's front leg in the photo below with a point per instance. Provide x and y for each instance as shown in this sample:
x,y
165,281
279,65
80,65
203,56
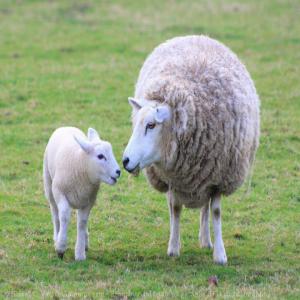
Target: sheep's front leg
x,y
219,250
174,241
64,214
82,233
204,233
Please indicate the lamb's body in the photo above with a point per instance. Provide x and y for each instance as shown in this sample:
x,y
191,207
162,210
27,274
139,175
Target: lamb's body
x,y
66,168
208,144
72,174
215,126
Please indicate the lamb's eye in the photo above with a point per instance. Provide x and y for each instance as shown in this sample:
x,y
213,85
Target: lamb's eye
x,y
101,156
150,125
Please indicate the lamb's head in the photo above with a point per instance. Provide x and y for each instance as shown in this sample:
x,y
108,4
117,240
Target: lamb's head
x,y
101,163
144,146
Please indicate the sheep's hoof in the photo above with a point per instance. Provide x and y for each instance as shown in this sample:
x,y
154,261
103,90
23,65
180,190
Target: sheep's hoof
x,y
219,255
206,245
60,254
222,260
80,257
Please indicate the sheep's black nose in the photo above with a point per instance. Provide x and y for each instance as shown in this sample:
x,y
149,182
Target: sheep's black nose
x,y
118,172
125,162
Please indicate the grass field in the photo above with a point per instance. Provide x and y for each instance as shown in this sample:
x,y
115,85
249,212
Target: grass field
x,y
75,63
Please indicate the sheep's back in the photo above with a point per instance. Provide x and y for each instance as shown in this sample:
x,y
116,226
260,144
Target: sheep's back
x,y
215,126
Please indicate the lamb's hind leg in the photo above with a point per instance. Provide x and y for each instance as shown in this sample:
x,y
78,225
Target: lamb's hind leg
x,y
64,214
53,206
174,241
219,250
204,232
55,219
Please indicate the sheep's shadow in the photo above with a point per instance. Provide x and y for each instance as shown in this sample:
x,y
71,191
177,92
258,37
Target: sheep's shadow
x,y
190,258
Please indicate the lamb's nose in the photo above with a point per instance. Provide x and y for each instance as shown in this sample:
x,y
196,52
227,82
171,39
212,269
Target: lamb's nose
x,y
125,162
118,172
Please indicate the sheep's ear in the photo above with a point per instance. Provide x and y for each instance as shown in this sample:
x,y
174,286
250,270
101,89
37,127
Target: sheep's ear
x,y
135,103
93,134
162,114
138,103
85,145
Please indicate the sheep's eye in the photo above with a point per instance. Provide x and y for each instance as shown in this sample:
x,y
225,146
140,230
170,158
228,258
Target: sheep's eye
x,y
150,125
101,156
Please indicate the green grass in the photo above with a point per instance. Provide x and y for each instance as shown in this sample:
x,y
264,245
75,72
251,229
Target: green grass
x,y
75,63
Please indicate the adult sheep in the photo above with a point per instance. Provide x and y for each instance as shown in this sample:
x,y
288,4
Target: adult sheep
x,y
195,130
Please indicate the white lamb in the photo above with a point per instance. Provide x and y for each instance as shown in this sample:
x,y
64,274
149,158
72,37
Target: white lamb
x,y
74,166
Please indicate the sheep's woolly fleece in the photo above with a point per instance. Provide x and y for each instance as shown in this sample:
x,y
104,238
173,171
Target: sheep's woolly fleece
x,y
210,143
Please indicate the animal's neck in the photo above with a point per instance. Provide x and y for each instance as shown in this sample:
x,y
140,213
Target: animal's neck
x,y
84,173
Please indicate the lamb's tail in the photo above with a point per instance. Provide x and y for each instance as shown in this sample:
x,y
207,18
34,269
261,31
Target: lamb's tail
x,y
47,179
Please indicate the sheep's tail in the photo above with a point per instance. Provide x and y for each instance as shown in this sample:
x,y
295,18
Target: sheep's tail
x,y
249,179
248,183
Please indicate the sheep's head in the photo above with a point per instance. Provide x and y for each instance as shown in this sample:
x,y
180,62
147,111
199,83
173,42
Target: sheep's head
x,y
143,148
101,162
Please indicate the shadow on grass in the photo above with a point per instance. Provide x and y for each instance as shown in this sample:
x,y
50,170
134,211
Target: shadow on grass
x,y
190,263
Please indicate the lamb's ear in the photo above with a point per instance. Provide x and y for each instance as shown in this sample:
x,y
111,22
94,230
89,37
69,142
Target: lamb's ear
x,y
85,145
93,134
162,113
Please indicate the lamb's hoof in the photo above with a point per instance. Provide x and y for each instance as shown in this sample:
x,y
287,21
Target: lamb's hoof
x,y
173,252
60,255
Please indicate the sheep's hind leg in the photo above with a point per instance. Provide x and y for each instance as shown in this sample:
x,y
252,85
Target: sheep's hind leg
x,y
64,214
174,241
204,233
82,234
219,249
87,243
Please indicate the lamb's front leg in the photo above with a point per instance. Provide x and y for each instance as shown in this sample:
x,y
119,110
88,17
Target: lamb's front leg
x,y
219,249
174,241
82,234
204,232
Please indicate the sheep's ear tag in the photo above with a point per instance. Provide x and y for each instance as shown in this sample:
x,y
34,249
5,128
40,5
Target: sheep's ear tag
x,y
135,103
93,134
162,114
85,145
